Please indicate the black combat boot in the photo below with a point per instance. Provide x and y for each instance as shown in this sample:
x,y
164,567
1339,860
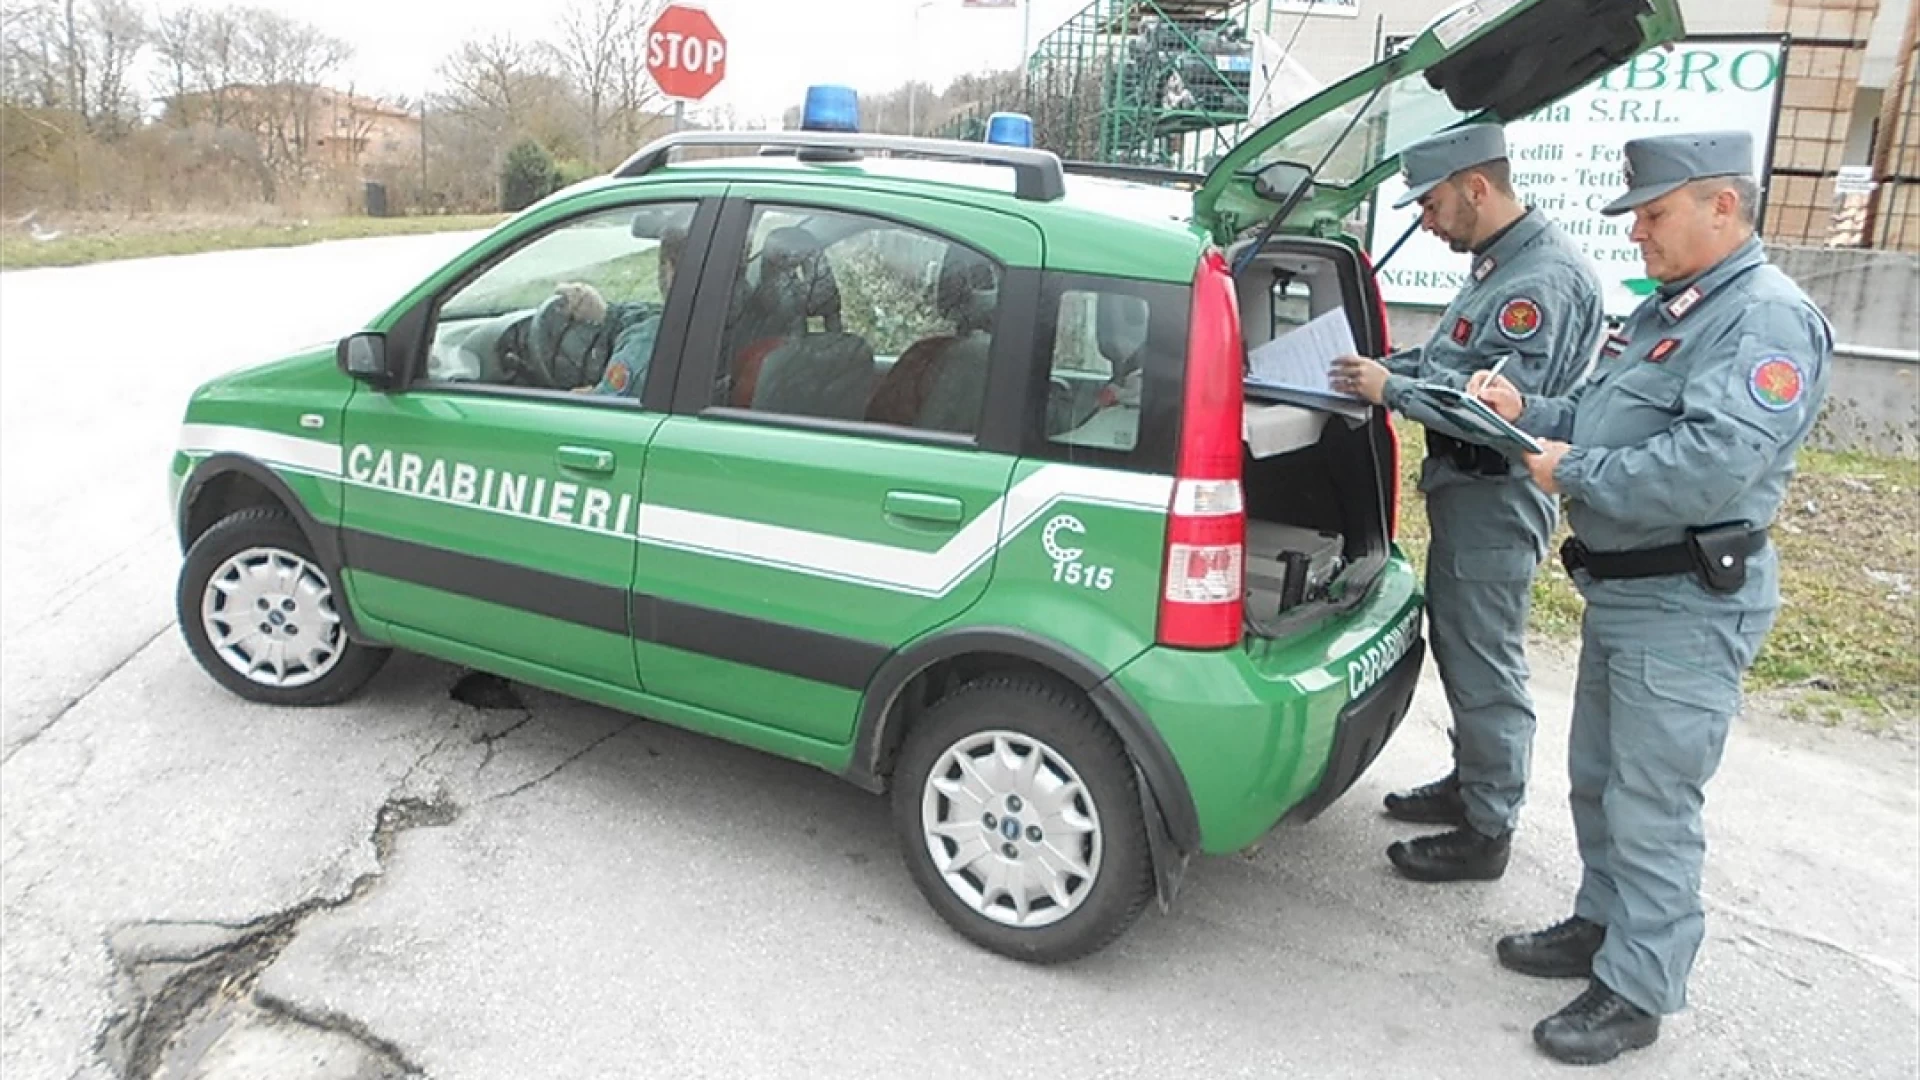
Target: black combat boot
x,y
1438,803
1460,855
1596,1027
1562,951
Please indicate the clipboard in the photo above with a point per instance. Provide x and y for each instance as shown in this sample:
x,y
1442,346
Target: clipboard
x,y
1353,408
1471,415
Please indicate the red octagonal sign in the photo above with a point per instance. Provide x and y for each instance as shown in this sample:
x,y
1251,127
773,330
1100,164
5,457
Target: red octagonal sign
x,y
686,54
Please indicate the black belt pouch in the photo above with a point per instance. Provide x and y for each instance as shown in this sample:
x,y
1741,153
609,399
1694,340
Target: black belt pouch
x,y
1720,555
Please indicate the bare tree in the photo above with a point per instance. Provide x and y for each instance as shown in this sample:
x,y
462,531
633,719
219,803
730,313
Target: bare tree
x,y
118,33
31,74
638,97
589,51
486,78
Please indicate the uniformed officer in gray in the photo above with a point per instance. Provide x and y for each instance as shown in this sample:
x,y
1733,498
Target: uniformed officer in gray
x,y
1677,455
1531,303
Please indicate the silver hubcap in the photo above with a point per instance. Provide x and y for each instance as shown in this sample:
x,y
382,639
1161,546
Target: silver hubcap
x,y
269,614
1011,828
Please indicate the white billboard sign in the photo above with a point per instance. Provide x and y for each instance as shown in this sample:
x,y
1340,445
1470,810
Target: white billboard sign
x,y
1567,160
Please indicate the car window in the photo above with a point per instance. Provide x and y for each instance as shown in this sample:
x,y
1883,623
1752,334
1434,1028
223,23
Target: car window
x,y
1113,351
578,309
1099,340
841,316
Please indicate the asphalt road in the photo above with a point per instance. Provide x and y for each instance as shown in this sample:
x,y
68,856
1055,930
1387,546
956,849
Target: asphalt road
x,y
412,884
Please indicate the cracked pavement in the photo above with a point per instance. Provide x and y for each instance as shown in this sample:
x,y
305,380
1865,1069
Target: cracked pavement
x,y
501,882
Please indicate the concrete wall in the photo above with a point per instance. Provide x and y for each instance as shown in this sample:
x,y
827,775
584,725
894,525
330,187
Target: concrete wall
x,y
1873,301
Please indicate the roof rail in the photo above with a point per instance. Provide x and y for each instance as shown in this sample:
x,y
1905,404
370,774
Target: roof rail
x,y
1037,173
1151,174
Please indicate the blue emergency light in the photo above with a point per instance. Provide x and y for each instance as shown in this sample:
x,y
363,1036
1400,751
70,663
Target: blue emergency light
x,y
831,108
1010,129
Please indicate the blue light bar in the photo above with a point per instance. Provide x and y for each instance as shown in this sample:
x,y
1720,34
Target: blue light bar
x,y
1010,129
831,108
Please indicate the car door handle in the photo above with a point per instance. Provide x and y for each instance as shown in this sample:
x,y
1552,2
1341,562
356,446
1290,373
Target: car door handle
x,y
585,459
921,506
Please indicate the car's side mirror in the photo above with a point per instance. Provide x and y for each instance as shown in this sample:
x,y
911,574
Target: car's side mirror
x,y
1281,180
364,356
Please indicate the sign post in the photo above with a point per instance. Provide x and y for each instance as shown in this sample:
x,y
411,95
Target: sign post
x,y
686,55
1567,159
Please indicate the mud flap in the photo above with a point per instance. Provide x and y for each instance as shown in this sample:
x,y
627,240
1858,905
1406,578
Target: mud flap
x,y
1169,862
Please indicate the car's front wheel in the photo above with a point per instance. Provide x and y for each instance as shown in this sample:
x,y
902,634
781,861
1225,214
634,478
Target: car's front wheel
x,y
261,615
1018,814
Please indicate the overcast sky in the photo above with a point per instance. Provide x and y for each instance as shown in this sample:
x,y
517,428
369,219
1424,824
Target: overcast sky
x,y
776,47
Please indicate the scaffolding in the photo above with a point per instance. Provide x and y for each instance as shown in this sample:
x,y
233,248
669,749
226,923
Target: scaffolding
x,y
1136,82
1143,82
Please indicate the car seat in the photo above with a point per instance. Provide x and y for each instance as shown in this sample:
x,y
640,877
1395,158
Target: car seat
x,y
939,381
795,284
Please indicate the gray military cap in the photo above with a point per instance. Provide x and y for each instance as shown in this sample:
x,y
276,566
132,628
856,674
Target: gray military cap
x,y
1662,163
1437,157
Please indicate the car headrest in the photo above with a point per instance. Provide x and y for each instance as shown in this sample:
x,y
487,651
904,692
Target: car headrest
x,y
1120,322
789,247
968,291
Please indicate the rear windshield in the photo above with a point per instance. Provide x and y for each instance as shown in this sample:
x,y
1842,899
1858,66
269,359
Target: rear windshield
x,y
1111,356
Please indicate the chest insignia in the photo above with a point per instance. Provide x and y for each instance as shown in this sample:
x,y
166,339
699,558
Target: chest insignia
x,y
1662,350
1462,330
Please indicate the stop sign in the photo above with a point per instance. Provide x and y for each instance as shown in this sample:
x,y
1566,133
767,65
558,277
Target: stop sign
x,y
686,54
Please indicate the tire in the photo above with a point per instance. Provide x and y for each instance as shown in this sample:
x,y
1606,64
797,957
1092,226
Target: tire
x,y
258,561
1072,886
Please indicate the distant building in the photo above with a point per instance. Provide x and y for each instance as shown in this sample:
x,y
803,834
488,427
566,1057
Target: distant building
x,y
315,124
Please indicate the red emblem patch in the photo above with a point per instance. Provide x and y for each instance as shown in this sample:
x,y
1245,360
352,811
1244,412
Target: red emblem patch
x,y
1776,384
1663,349
1520,318
1462,330
618,376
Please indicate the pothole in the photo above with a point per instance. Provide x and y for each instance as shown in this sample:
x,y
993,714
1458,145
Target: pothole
x,y
190,1011
486,691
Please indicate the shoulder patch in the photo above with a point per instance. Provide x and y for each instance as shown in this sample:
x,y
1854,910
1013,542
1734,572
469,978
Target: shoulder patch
x,y
1776,383
618,376
1520,318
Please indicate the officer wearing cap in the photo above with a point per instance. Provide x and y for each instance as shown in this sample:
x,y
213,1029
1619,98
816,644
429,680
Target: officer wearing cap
x,y
1676,456
1531,303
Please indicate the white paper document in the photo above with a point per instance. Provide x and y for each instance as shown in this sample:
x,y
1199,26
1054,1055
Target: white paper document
x,y
1302,357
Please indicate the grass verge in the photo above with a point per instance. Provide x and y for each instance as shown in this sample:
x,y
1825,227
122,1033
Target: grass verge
x,y
1846,646
145,238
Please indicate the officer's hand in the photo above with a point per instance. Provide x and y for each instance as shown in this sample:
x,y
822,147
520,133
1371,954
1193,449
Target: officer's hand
x,y
1497,394
1541,465
1359,376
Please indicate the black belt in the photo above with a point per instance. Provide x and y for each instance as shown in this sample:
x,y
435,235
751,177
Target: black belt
x,y
1661,561
1468,457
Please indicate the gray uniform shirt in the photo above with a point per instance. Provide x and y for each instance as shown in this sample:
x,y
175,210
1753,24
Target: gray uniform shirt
x,y
1693,415
1533,294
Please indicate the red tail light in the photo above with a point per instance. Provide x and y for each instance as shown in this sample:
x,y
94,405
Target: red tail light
x,y
1203,600
1371,283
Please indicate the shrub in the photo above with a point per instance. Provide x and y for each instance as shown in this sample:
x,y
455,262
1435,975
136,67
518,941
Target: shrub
x,y
527,177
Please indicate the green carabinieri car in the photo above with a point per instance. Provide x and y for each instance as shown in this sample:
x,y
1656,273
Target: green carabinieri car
x,y
926,462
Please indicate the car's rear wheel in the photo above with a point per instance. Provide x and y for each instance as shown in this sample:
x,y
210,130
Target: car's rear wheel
x,y
261,615
1019,818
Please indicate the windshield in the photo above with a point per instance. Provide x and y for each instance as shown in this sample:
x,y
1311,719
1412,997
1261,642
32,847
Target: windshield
x,y
1403,113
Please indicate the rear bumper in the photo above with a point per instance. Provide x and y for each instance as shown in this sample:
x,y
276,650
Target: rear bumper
x,y
1278,730
1365,726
